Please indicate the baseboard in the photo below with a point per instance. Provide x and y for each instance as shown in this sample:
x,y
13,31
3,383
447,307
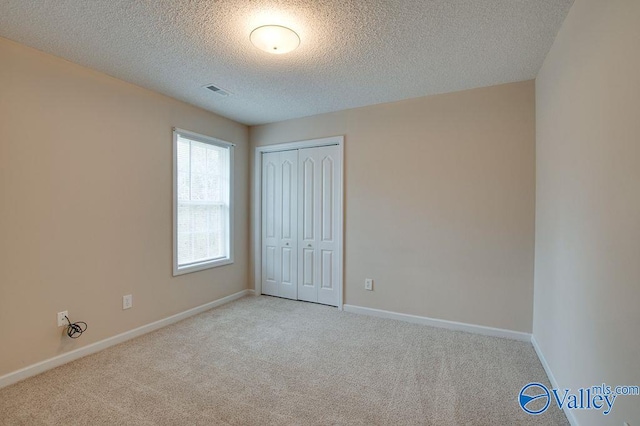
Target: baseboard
x,y
552,379
40,367
433,322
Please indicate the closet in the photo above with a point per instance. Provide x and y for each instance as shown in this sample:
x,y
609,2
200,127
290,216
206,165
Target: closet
x,y
301,224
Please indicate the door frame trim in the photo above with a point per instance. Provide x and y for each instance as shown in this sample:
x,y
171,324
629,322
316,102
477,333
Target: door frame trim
x,y
256,214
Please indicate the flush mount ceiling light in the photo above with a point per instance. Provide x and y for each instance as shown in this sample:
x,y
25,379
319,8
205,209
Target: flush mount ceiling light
x,y
275,39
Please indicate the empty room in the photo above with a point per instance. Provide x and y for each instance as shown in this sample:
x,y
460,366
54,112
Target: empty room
x,y
298,212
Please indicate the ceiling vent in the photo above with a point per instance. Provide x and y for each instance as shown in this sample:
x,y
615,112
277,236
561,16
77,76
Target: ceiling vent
x,y
217,90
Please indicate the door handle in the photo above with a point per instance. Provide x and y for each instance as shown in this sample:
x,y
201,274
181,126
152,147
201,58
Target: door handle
x,y
309,245
286,244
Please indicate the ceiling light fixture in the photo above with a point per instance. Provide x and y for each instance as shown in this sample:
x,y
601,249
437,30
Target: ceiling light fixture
x,y
275,39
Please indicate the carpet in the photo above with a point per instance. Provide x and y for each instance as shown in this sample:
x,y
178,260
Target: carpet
x,y
263,360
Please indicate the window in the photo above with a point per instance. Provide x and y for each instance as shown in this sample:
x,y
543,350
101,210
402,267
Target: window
x,y
202,209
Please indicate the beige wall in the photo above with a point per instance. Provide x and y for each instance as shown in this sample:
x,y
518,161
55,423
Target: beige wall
x,y
85,205
587,269
439,199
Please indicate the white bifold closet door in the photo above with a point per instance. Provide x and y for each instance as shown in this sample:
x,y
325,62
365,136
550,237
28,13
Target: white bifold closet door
x,y
280,224
319,174
301,210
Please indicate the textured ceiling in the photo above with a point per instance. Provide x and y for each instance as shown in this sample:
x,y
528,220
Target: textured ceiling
x,y
352,52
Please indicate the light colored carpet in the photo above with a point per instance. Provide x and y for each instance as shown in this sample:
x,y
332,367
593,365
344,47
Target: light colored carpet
x,y
263,360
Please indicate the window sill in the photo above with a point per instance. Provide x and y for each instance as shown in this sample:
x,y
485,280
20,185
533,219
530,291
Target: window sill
x,y
200,266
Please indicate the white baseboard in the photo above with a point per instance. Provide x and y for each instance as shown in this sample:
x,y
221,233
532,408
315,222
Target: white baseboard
x,y
552,379
40,367
433,322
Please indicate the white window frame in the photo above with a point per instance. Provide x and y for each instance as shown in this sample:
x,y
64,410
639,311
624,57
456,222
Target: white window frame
x,y
214,262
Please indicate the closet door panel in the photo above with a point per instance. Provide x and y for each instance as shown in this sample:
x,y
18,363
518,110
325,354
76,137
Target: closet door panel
x,y
327,205
308,214
326,279
269,224
308,199
320,175
329,177
288,226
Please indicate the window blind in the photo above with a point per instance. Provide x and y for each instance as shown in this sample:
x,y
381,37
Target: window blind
x,y
202,196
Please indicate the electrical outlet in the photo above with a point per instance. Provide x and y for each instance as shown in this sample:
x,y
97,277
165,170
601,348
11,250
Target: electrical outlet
x,y
368,284
62,318
127,302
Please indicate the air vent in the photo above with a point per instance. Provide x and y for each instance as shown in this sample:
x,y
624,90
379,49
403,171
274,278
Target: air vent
x,y
217,90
